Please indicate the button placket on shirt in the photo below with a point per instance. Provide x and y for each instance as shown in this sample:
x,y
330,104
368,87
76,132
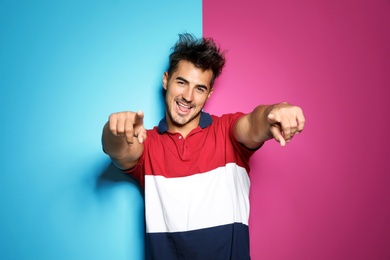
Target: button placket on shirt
x,y
181,144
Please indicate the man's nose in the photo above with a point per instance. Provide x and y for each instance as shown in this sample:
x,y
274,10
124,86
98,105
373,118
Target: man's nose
x,y
188,94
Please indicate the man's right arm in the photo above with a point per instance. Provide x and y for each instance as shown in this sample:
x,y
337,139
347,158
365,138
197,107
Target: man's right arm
x,y
123,137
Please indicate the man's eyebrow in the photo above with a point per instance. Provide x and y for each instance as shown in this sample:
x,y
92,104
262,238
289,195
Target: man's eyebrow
x,y
182,79
203,86
187,82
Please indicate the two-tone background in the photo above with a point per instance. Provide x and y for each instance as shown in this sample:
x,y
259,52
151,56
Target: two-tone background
x,y
66,65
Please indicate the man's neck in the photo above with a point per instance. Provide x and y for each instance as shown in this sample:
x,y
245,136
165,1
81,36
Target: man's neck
x,y
184,130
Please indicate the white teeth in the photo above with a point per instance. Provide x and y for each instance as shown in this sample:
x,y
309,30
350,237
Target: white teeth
x,y
182,105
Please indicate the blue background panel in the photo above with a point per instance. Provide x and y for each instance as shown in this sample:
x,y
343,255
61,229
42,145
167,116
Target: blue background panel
x,y
64,68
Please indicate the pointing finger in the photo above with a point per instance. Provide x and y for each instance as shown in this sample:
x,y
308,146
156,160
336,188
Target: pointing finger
x,y
139,118
286,129
277,134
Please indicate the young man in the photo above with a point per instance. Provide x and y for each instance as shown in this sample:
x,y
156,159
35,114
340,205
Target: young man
x,y
194,166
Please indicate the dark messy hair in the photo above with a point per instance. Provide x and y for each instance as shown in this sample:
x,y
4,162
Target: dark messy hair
x,y
203,53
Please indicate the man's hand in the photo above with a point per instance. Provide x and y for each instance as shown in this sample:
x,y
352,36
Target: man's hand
x,y
123,137
128,124
285,121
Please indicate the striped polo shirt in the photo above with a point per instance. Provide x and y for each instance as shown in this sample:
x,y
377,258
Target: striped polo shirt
x,y
196,191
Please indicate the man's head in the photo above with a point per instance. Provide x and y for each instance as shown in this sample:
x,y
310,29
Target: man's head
x,y
188,84
203,53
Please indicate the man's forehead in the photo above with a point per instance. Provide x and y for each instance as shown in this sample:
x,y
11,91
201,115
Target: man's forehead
x,y
190,72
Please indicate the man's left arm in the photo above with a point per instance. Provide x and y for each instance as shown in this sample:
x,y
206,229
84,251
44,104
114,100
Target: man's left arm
x,y
280,122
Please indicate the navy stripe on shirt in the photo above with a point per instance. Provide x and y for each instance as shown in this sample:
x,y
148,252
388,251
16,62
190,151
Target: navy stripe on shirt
x,y
216,243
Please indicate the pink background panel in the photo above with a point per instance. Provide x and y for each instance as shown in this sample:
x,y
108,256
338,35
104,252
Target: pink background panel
x,y
327,194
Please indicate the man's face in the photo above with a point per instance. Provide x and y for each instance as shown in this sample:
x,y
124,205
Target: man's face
x,y
187,91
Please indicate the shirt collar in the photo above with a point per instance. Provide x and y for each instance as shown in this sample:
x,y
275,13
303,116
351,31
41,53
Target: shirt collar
x,y
205,121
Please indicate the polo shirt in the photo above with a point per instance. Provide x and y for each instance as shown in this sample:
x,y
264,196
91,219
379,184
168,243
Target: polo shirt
x,y
196,191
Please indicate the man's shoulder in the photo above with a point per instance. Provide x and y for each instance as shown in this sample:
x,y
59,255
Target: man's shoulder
x,y
229,117
152,133
153,130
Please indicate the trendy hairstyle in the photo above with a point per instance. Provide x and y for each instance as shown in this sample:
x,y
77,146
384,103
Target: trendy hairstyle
x,y
203,53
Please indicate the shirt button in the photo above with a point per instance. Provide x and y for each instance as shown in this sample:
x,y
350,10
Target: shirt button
x,y
180,137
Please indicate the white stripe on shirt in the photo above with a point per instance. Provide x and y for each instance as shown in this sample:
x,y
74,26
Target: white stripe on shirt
x,y
203,200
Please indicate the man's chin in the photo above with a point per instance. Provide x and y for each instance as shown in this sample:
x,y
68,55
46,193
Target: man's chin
x,y
180,122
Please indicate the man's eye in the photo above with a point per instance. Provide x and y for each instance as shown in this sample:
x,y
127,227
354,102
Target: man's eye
x,y
201,89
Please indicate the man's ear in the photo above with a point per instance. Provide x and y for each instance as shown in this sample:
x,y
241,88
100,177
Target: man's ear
x,y
165,80
211,92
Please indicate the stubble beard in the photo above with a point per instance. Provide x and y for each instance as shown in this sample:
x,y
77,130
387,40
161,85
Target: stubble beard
x,y
179,120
